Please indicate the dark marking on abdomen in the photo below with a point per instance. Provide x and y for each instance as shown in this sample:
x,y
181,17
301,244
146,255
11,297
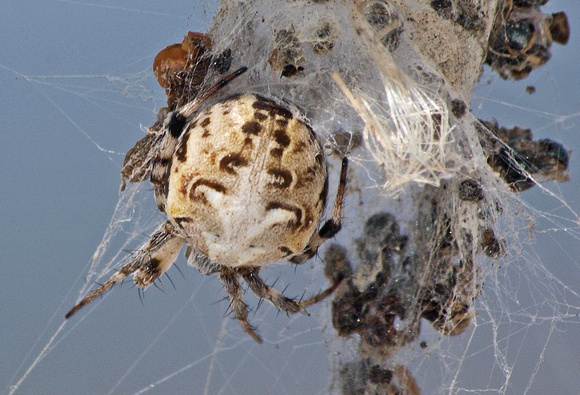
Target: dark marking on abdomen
x,y
207,183
308,219
281,137
277,152
299,147
252,127
294,224
283,123
205,122
231,161
181,152
308,176
260,116
283,178
248,142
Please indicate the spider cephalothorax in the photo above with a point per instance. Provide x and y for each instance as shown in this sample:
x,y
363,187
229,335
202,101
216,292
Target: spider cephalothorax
x,y
244,184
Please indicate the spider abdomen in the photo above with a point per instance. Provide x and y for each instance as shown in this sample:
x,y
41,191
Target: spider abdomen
x,y
248,182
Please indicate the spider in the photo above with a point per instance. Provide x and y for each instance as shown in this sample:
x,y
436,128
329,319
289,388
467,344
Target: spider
x,y
244,184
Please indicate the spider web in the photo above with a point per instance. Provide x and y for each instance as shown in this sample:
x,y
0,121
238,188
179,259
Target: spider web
x,y
75,109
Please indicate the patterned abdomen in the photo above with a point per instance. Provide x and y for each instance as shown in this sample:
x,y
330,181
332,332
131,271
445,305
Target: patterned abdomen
x,y
248,182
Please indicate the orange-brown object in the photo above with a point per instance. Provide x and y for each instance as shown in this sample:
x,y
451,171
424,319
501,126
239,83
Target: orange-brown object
x,y
181,68
168,63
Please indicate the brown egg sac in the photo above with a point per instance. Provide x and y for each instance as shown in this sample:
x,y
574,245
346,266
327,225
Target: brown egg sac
x,y
181,68
168,63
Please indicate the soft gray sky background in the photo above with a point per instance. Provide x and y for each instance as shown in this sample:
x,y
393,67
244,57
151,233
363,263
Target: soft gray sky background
x,y
76,76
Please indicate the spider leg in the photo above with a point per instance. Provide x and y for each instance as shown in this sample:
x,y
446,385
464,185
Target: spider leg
x,y
137,165
322,295
281,302
331,227
229,279
264,291
147,264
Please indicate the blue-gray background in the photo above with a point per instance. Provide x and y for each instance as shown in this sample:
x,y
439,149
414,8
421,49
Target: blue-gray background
x,y
76,76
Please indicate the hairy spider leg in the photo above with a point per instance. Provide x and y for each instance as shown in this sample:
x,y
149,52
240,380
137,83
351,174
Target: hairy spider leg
x,y
148,263
229,279
281,302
